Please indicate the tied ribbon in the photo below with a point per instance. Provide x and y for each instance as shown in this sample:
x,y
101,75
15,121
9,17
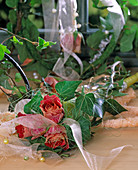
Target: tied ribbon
x,y
93,161
63,17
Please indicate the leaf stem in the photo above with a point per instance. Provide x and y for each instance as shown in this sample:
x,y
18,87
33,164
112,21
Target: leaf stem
x,y
34,43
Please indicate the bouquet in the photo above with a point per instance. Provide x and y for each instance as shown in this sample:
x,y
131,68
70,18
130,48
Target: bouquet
x,y
58,118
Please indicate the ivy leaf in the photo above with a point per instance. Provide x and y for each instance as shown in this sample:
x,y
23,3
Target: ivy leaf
x,y
3,50
43,44
68,108
95,2
33,2
66,89
98,109
116,93
101,69
22,89
18,77
133,2
113,107
127,41
33,105
85,103
85,128
94,40
4,82
12,16
12,3
128,38
16,41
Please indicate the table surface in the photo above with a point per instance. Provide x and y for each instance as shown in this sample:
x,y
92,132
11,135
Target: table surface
x,y
104,140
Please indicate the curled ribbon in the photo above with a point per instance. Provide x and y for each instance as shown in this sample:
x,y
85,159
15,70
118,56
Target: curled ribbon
x,y
93,161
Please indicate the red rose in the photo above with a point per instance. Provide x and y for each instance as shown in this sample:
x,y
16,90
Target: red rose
x,y
56,136
21,130
24,132
52,108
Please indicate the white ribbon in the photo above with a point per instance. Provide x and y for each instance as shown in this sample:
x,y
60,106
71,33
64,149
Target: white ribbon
x,y
64,17
94,162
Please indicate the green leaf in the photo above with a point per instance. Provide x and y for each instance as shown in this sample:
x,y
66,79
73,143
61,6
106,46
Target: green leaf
x,y
11,3
116,93
101,69
1,52
125,11
39,67
33,105
12,16
126,43
43,44
3,49
94,39
106,23
85,128
22,89
95,2
16,41
33,2
16,91
133,2
98,108
18,77
68,109
4,82
85,103
66,89
113,107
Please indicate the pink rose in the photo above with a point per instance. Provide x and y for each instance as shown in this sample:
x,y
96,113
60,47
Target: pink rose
x,y
56,136
52,108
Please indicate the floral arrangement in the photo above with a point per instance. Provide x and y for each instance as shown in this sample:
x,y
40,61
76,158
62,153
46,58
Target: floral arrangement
x,y
54,118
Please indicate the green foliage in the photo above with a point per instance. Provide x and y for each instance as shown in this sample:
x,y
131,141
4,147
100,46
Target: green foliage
x,y
113,107
12,3
4,82
133,2
94,40
85,125
98,109
18,77
128,38
3,50
33,106
85,103
66,89
16,41
42,44
34,2
12,16
68,108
